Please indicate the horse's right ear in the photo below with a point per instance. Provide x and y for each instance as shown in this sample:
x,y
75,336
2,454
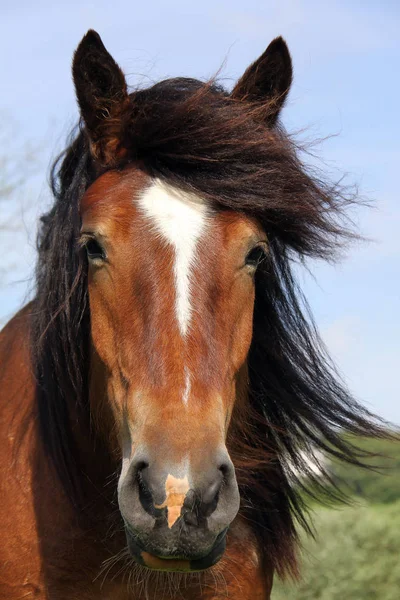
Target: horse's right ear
x,y
102,96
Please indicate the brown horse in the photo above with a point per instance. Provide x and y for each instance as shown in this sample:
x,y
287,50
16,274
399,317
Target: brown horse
x,y
162,389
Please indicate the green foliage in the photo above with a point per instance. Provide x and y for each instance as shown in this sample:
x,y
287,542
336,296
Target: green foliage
x,y
356,553
356,556
382,486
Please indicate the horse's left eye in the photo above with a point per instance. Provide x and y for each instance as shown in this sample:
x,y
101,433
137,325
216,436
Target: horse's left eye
x,y
255,256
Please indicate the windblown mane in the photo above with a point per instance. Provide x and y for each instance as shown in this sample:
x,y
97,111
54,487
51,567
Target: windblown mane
x,y
195,136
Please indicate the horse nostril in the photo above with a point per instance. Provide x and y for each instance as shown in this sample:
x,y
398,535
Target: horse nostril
x,y
145,496
141,465
190,517
141,476
225,469
211,494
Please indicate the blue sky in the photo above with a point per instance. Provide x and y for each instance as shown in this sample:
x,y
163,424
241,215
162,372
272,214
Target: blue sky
x,y
346,61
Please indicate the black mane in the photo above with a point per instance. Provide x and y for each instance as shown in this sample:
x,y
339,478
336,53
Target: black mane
x,y
200,139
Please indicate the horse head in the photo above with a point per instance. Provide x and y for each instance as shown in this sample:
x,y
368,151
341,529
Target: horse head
x,y
171,285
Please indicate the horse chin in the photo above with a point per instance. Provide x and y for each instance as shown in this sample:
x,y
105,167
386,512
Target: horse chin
x,y
176,563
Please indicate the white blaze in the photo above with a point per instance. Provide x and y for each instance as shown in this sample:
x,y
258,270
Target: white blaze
x,y
188,386
180,219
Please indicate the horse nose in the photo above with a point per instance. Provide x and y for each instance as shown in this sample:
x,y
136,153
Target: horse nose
x,y
202,495
173,509
192,496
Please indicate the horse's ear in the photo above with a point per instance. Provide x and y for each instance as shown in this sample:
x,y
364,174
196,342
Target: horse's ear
x,y
267,80
102,96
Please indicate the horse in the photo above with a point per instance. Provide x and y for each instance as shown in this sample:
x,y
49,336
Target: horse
x,y
163,392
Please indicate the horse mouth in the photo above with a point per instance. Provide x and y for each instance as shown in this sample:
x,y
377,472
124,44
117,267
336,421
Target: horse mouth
x,y
175,563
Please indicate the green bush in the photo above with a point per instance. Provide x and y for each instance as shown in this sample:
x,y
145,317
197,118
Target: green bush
x,y
356,553
356,556
381,486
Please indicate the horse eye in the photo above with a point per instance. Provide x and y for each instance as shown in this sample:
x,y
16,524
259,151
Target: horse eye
x,y
94,250
255,256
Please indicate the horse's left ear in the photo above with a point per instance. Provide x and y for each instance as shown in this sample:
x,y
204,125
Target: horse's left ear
x,y
267,80
102,96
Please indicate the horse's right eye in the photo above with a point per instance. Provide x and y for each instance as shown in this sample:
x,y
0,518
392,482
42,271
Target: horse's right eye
x,y
94,251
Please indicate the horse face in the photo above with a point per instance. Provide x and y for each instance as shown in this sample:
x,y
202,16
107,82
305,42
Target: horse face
x,y
171,289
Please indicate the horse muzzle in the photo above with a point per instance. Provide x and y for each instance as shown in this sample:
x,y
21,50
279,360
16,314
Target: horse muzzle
x,y
175,519
158,559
